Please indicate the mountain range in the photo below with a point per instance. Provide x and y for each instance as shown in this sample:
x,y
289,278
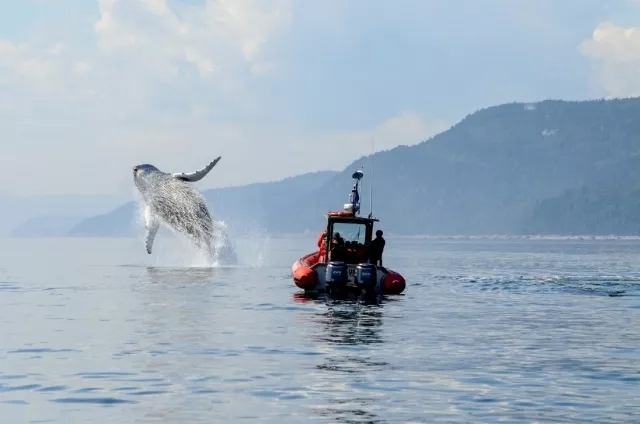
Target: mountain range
x,y
552,167
242,208
51,215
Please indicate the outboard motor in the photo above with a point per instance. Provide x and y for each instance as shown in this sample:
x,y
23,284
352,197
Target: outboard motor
x,y
336,276
367,281
366,276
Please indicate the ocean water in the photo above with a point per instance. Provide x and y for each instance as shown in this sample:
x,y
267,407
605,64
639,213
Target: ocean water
x,y
97,331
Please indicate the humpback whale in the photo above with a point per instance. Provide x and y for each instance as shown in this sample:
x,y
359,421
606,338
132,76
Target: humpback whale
x,y
169,198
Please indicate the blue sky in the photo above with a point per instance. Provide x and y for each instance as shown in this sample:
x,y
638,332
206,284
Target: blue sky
x,y
90,88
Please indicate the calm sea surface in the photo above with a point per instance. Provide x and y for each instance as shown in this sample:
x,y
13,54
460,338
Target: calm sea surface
x,y
97,331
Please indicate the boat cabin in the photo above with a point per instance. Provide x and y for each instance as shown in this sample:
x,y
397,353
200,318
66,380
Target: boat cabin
x,y
348,235
347,238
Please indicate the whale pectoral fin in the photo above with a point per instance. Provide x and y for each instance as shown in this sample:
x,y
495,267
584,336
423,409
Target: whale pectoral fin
x,y
151,235
197,175
152,225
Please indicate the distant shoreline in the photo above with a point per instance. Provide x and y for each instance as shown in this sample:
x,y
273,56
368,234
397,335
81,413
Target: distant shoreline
x,y
517,237
312,236
483,237
512,237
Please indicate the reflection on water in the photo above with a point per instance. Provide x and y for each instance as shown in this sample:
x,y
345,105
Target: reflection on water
x,y
345,412
189,308
485,332
347,331
351,324
185,275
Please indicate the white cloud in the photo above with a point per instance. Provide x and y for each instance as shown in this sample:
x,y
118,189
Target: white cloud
x,y
218,36
221,41
612,43
19,60
82,68
143,81
615,52
56,49
6,48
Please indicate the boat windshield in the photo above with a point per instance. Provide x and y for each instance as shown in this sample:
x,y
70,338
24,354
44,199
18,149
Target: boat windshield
x,y
351,231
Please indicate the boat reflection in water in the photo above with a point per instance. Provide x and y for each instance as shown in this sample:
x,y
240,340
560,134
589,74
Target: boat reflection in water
x,y
349,334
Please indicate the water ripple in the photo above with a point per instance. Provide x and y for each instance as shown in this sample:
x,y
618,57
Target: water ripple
x,y
487,332
100,401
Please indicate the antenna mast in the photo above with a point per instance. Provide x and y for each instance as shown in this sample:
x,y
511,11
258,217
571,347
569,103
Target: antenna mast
x,y
371,181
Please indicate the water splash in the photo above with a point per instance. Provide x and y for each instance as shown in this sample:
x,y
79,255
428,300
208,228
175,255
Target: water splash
x,y
194,242
224,250
255,247
182,248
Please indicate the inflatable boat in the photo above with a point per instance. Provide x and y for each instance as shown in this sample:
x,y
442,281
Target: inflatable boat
x,y
349,258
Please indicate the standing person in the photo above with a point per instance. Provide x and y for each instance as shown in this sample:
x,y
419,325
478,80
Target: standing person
x,y
322,245
321,238
375,248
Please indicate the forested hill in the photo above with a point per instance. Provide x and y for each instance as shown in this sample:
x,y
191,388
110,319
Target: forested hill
x,y
550,167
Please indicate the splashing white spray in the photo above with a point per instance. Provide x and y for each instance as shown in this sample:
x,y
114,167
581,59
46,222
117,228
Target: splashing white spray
x,y
218,250
255,246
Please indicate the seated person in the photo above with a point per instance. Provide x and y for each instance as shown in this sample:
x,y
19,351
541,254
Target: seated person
x,y
351,256
338,249
338,253
360,253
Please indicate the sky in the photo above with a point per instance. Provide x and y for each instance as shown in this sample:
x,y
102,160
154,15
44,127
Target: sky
x,y
88,88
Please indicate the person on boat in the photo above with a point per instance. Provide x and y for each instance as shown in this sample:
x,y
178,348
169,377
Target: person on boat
x,y
321,238
375,248
338,250
322,245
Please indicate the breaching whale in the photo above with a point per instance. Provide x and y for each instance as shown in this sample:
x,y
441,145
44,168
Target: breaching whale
x,y
169,198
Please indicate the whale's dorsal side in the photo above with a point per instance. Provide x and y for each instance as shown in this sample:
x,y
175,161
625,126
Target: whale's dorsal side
x,y
197,175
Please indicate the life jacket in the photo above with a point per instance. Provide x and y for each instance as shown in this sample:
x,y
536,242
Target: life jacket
x,y
322,246
321,239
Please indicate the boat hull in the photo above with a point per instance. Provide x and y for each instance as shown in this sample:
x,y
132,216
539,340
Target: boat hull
x,y
309,274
